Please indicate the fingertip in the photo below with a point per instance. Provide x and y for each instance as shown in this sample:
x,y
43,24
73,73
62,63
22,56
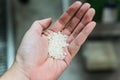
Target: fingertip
x,y
93,10
87,4
46,19
75,6
49,18
45,22
94,23
77,2
40,25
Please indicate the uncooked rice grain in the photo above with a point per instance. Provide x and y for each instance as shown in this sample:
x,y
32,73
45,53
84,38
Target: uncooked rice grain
x,y
56,43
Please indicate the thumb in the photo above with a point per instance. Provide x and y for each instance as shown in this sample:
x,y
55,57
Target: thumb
x,y
39,25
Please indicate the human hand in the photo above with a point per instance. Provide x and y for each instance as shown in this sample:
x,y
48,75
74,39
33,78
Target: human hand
x,y
32,56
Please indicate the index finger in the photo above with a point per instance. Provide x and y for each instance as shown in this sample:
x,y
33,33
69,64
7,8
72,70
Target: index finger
x,y
65,17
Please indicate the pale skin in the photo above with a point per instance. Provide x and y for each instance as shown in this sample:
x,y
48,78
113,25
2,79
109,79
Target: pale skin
x,y
32,60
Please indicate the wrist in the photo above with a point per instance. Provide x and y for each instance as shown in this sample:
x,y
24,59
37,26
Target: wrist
x,y
15,73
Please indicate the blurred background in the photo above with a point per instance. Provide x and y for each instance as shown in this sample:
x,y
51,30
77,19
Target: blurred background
x,y
99,57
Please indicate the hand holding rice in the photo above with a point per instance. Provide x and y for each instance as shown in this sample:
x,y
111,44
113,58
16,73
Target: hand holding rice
x,y
56,43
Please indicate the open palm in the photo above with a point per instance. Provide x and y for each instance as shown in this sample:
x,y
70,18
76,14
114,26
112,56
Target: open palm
x,y
32,54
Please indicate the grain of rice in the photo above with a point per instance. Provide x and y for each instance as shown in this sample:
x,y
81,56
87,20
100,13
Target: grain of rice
x,y
56,43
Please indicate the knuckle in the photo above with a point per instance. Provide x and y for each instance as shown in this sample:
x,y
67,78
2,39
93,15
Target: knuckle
x,y
70,10
84,33
88,16
81,10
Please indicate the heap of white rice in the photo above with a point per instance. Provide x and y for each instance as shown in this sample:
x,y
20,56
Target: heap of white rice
x,y
56,43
